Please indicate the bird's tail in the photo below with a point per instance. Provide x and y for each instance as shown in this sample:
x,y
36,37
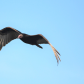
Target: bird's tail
x,y
56,53
39,46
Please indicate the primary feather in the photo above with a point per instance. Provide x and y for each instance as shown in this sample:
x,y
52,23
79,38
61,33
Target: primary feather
x,y
6,35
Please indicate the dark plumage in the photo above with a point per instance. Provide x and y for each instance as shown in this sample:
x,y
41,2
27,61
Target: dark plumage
x,y
8,34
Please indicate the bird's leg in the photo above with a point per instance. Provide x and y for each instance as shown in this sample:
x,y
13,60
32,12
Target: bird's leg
x,y
38,46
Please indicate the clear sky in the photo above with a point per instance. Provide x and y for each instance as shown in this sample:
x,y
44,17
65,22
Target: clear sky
x,y
62,23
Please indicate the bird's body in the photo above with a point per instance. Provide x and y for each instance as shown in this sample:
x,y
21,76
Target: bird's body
x,y
26,39
8,34
33,39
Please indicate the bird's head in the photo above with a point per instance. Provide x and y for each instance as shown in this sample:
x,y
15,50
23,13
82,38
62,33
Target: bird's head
x,y
20,36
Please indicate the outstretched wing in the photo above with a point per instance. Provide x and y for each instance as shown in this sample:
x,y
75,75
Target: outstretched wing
x,y
6,35
40,39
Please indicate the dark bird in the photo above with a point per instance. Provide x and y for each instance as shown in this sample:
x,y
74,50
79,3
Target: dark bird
x,y
8,34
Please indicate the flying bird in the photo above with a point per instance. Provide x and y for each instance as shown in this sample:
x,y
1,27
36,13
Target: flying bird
x,y
8,34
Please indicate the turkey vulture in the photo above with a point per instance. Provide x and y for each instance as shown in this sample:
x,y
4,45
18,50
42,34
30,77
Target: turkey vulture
x,y
8,34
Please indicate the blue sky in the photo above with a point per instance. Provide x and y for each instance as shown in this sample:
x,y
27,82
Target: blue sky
x,y
62,23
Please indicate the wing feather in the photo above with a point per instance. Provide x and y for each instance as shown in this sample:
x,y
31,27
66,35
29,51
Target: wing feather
x,y
6,35
40,39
